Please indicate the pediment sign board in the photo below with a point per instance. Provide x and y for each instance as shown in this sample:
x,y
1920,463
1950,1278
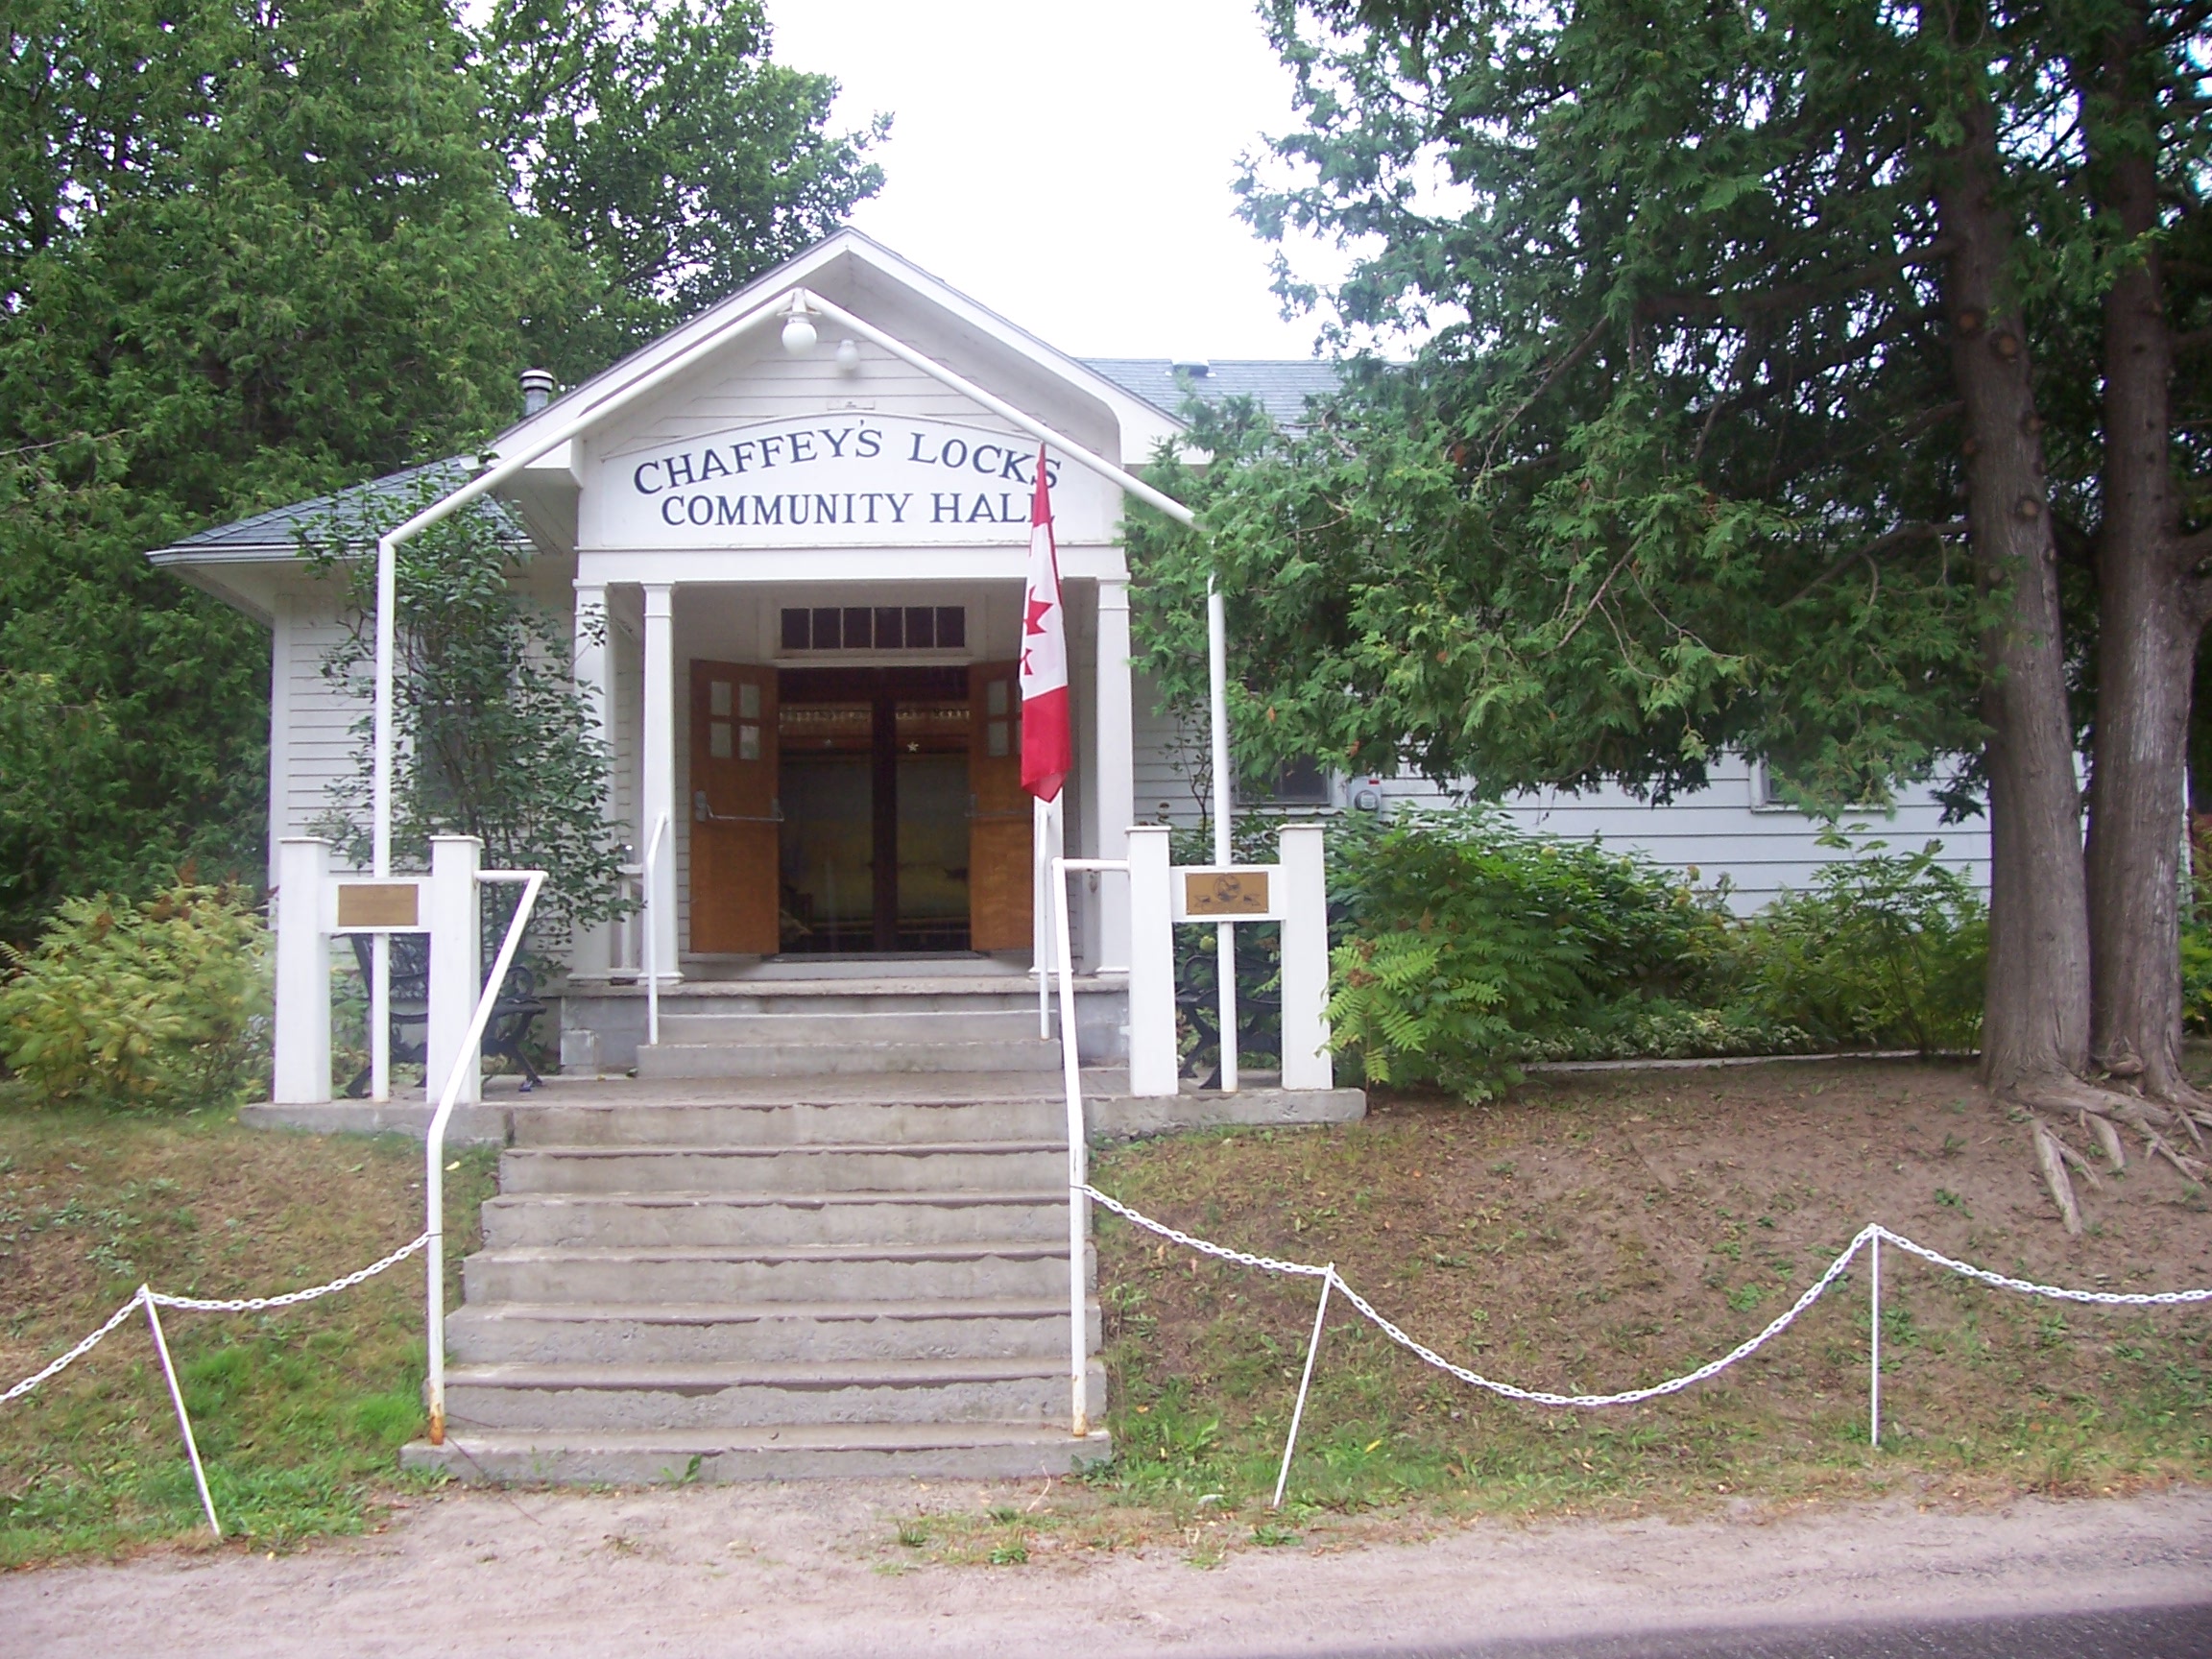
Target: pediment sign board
x,y
844,479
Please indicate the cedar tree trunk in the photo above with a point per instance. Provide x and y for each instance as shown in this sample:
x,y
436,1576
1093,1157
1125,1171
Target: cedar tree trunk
x,y
2035,1018
2151,614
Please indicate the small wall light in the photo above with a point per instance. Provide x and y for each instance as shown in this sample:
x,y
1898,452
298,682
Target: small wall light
x,y
848,357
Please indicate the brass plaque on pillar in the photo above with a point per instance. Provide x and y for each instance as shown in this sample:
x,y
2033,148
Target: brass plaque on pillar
x,y
1225,893
366,905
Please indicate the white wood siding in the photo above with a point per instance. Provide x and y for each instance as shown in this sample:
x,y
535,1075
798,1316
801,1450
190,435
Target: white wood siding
x,y
312,745
1720,832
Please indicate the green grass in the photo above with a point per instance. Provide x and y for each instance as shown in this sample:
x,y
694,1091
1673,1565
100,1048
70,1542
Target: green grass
x,y
298,1412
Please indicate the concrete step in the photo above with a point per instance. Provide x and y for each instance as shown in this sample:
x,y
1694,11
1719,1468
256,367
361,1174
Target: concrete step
x,y
921,1450
743,1218
709,1024
789,1273
1042,1116
670,1059
1007,1165
862,997
640,1334
679,1398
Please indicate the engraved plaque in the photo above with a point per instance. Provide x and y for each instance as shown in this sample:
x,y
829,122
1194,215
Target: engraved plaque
x,y
1225,891
375,904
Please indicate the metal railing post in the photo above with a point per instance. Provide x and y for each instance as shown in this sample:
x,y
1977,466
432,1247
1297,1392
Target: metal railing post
x,y
1078,1149
434,1141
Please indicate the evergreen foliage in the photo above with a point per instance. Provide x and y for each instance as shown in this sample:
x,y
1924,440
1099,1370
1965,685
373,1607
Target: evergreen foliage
x,y
249,254
1758,409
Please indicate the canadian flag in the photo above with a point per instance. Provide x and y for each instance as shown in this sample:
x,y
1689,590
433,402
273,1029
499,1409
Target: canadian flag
x,y
1048,743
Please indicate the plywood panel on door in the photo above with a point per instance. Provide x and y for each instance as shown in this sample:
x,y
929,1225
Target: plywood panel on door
x,y
734,851
1001,882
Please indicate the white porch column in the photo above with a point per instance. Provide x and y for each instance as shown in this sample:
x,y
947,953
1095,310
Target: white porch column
x,y
656,797
301,1035
1114,801
592,661
456,965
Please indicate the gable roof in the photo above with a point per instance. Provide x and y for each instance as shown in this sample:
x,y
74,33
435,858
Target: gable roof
x,y
842,252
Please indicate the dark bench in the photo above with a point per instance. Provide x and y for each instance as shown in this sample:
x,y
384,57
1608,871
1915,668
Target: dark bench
x,y
511,1016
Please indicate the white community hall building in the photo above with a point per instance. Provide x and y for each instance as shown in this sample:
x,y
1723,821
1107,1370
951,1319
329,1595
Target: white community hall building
x,y
796,584
807,1193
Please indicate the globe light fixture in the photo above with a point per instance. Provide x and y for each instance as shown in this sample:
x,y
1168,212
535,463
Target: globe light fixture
x,y
799,334
848,357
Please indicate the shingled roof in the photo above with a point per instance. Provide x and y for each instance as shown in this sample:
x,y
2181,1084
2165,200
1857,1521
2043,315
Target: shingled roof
x,y
351,518
1282,387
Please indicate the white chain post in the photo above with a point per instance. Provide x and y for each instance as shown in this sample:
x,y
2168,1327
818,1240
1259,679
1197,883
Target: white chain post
x,y
1305,1383
183,1421
1874,1351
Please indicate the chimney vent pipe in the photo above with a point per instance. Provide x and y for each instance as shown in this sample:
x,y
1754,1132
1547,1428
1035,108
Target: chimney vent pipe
x,y
537,386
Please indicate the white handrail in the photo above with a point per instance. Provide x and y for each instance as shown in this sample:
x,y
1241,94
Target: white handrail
x,y
434,1142
1078,1150
660,828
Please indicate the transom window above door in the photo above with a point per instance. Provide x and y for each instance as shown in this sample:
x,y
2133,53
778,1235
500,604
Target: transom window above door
x,y
875,628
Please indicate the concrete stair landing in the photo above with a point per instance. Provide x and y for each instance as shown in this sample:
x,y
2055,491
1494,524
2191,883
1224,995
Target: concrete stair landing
x,y
766,1025
747,1289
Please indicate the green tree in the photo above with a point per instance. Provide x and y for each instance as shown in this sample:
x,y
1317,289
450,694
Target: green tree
x,y
668,149
253,253
494,740
283,258
1728,434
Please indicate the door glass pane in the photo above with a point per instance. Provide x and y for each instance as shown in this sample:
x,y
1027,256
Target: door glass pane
x,y
718,739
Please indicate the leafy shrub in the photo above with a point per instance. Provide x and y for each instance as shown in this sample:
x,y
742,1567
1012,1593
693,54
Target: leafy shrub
x,y
1884,949
1465,946
163,1003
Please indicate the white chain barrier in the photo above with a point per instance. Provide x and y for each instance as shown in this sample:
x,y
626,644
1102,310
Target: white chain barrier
x,y
1870,1237
150,1299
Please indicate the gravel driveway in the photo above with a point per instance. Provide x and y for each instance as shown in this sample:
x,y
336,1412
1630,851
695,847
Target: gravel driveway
x,y
813,1569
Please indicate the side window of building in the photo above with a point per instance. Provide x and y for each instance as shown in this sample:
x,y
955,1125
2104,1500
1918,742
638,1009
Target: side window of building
x,y
1294,783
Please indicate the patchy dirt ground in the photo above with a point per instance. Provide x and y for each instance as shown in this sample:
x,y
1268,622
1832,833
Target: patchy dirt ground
x,y
1603,1231
819,1570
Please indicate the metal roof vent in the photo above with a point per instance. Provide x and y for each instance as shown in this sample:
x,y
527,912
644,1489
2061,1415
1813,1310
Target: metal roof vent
x,y
537,386
1197,369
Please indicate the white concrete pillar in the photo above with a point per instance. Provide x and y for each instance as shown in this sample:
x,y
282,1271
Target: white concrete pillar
x,y
1114,800
1305,904
592,659
456,965
657,797
1152,1067
301,1034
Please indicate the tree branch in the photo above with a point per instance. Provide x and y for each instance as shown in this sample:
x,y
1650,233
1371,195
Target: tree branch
x,y
1582,350
1789,296
1922,530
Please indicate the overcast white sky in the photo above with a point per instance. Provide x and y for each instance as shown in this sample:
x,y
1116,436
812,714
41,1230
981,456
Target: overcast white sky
x,y
1069,164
